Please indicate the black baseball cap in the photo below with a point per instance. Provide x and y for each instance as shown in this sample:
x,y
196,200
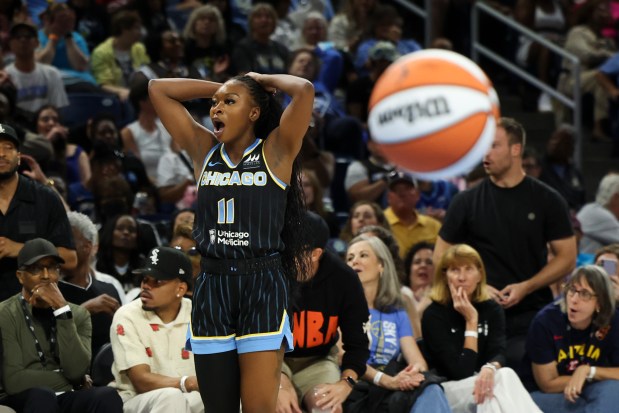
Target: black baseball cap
x,y
318,230
399,176
166,263
34,250
8,132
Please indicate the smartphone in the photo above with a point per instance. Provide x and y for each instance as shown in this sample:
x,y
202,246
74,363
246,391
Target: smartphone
x,y
609,266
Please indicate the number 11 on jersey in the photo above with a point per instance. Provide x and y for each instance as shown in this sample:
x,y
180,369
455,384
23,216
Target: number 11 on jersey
x,y
225,211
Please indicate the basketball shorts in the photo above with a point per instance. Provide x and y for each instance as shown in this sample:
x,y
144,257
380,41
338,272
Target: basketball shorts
x,y
240,305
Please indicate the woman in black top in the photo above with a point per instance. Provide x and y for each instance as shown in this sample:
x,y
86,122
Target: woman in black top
x,y
464,338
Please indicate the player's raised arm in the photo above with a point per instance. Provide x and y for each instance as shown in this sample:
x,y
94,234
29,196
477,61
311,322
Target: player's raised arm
x,y
167,96
287,138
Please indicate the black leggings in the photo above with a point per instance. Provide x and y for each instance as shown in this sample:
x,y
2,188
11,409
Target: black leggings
x,y
219,378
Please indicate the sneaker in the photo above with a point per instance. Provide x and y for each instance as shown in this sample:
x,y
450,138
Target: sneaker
x,y
544,103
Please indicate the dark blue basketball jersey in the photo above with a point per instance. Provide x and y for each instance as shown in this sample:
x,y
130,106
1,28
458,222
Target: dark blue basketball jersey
x,y
241,208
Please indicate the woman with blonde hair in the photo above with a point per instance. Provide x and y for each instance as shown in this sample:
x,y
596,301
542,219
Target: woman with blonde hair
x,y
391,338
257,52
206,46
464,338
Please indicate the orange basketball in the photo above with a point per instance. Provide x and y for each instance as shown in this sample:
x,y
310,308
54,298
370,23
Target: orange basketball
x,y
433,113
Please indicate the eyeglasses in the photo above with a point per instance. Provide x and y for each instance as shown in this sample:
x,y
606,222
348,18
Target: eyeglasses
x,y
583,294
37,269
191,252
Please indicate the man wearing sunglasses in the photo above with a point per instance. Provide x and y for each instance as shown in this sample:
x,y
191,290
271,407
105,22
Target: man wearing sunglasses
x,y
46,342
153,372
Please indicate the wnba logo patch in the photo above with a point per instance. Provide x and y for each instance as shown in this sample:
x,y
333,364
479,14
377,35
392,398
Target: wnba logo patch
x,y
252,161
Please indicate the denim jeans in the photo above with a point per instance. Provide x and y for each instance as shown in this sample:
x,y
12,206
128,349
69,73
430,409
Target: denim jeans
x,y
598,397
432,399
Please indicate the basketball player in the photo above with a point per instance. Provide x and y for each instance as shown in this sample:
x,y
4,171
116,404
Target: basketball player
x,y
248,229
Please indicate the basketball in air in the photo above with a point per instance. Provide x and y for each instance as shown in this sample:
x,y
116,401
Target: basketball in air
x,y
433,113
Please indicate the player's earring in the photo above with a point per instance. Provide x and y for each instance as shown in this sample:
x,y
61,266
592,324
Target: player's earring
x,y
178,295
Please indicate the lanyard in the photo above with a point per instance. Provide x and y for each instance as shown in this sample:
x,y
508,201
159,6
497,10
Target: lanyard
x,y
52,338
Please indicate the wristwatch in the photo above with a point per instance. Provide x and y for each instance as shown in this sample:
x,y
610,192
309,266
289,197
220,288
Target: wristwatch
x,y
350,381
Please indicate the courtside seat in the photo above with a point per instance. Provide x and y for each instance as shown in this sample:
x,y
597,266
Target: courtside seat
x,y
101,373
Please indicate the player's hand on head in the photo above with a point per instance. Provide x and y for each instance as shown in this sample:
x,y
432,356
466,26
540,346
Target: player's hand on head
x,y
262,81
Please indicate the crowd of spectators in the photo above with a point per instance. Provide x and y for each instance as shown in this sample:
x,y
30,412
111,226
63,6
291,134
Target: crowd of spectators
x,y
109,189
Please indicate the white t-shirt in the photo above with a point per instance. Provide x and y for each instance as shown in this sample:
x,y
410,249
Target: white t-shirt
x,y
42,86
152,146
171,170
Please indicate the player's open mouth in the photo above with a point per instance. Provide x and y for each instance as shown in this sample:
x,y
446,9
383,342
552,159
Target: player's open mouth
x,y
218,127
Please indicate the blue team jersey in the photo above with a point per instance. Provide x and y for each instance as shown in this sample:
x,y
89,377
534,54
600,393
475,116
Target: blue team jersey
x,y
386,330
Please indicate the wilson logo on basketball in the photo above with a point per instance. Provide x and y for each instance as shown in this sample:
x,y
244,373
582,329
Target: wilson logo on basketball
x,y
429,109
433,113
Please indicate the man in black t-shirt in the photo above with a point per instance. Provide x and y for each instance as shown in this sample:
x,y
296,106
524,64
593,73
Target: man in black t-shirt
x,y
28,210
509,219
